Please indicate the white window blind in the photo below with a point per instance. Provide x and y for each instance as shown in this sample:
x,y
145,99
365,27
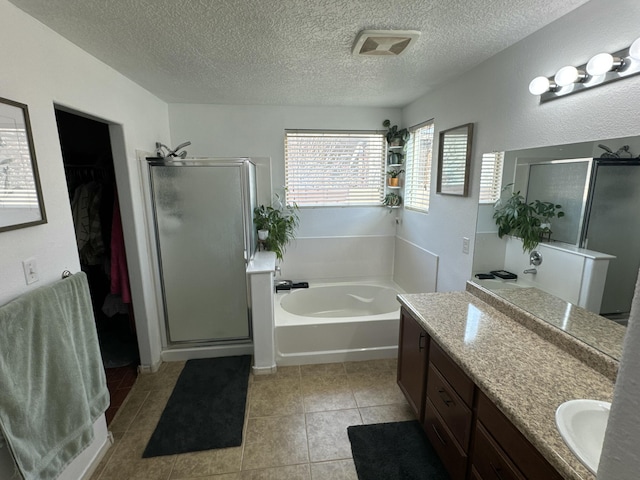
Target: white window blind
x,y
418,167
329,168
491,177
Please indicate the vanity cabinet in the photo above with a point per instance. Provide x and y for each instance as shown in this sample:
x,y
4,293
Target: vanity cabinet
x,y
473,439
500,451
448,411
413,347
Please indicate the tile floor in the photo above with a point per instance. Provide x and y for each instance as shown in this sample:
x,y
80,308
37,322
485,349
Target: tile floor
x,y
120,380
295,425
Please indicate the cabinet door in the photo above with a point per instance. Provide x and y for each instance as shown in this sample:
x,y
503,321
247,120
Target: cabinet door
x,y
412,362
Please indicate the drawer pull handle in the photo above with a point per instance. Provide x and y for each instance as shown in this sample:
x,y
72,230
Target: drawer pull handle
x,y
420,345
445,397
497,471
433,425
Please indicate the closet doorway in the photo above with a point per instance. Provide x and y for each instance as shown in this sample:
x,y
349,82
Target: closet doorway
x,y
90,175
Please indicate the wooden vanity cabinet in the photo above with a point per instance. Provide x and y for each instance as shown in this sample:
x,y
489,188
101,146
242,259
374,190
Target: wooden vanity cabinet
x,y
473,439
494,432
448,411
413,348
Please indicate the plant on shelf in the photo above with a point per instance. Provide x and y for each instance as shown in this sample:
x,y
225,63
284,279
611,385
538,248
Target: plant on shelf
x,y
395,137
394,181
276,226
528,221
392,200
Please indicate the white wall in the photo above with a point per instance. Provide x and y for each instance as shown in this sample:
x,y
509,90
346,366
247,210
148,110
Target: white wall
x,y
495,97
228,131
41,69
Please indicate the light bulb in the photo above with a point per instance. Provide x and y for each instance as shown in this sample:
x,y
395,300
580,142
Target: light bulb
x,y
603,63
600,64
539,85
568,75
634,49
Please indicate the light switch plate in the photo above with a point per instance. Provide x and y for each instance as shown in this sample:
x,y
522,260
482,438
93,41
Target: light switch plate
x,y
30,270
465,245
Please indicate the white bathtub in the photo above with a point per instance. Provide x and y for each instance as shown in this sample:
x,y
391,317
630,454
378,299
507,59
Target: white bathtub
x,y
336,322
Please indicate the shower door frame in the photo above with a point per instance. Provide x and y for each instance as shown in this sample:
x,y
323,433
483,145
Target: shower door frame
x,y
247,177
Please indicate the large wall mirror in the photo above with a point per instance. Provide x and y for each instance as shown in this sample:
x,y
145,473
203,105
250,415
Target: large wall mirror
x,y
21,203
600,198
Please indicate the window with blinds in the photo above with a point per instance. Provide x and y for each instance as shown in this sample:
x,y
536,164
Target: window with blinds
x,y
418,167
334,168
491,177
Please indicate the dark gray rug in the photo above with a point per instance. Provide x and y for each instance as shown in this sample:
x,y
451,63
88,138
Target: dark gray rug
x,y
205,410
394,451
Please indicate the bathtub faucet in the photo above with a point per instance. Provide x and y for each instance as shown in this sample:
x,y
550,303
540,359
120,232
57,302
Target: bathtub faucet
x,y
531,270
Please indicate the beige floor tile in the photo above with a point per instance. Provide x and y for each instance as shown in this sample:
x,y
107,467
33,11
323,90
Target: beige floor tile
x,y
322,369
336,470
164,378
283,373
275,398
126,462
275,441
399,412
291,472
151,410
385,364
128,411
208,462
375,388
327,393
327,432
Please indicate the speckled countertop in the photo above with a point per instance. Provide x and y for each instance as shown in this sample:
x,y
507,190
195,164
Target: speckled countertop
x,y
526,376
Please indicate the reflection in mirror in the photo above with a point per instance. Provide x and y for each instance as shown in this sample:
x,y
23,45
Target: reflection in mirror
x,y
21,202
589,261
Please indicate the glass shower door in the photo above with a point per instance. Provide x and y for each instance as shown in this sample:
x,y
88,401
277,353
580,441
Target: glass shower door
x,y
201,214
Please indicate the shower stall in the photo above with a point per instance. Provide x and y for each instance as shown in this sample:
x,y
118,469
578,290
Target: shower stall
x,y
203,220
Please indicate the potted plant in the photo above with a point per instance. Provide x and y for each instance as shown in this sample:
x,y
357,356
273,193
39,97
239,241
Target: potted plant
x,y
395,137
276,227
394,181
392,200
528,221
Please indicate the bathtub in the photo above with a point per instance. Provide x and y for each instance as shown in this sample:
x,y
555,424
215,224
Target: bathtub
x,y
336,322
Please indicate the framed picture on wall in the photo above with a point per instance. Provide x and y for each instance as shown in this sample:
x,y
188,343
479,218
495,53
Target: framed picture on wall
x,y
454,160
21,203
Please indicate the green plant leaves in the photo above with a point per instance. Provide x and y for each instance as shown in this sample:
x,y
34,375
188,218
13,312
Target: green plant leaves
x,y
516,217
281,223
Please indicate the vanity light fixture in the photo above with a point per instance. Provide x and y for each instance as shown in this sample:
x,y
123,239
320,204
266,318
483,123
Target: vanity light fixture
x,y
600,69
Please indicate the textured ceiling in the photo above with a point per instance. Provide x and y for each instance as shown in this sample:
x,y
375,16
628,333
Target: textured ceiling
x,y
290,52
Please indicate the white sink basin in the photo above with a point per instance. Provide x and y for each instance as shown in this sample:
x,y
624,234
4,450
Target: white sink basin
x,y
582,424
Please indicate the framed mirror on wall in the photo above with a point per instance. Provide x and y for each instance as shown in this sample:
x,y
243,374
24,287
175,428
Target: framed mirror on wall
x,y
21,203
454,160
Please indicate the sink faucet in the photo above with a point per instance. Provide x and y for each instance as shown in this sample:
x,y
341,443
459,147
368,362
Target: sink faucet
x,y
531,270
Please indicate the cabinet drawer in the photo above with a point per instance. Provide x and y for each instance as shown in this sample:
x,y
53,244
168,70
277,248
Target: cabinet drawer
x,y
452,372
452,457
456,415
529,461
489,461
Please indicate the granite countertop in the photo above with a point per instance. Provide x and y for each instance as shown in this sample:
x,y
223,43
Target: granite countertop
x,y
526,376
599,332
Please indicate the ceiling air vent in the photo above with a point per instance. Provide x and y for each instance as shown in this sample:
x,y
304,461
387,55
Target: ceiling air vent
x,y
384,42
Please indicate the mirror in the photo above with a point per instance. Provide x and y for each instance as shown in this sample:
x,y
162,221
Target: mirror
x,y
21,203
569,175
454,160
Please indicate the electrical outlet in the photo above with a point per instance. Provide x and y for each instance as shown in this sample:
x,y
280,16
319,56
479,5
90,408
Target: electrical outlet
x,y
465,245
30,270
